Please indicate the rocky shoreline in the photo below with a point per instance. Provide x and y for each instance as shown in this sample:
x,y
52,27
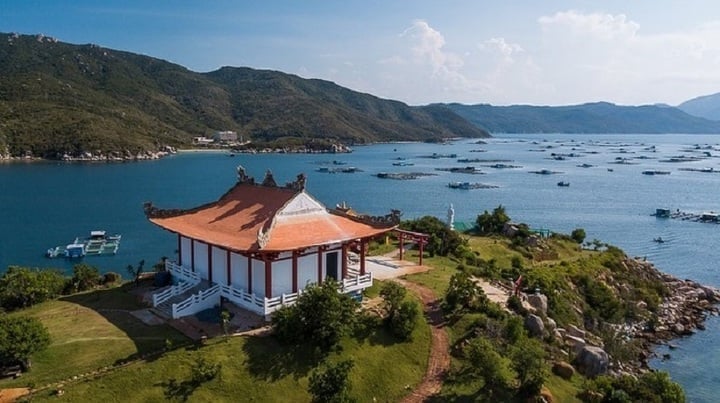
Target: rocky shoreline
x,y
680,314
117,156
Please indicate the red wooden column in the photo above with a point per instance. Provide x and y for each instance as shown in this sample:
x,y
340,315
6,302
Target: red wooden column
x,y
344,257
422,243
210,267
319,264
249,274
294,271
362,257
192,254
179,260
268,277
402,246
228,266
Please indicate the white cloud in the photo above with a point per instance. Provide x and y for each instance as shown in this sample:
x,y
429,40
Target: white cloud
x,y
605,26
500,45
567,57
596,56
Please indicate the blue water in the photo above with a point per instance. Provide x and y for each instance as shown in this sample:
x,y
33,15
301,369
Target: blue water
x,y
49,204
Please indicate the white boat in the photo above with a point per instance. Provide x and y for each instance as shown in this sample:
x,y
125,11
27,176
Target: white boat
x,y
98,243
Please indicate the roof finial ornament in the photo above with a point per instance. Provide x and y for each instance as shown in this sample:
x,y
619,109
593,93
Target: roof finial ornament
x,y
243,177
269,180
298,184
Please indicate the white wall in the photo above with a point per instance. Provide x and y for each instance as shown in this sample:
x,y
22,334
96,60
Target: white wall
x,y
185,251
238,271
219,265
258,278
307,270
201,259
282,277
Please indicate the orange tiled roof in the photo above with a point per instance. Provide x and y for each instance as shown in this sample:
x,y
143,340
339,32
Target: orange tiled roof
x,y
236,219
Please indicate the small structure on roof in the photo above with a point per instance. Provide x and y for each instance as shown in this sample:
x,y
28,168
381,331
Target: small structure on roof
x,y
260,245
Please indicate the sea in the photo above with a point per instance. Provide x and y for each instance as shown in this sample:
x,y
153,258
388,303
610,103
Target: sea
x,y
48,204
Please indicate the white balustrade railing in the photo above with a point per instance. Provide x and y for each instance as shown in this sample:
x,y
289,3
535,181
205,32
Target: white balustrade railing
x,y
186,280
359,282
182,272
211,297
205,299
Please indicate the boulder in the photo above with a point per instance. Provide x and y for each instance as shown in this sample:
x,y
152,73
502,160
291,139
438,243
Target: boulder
x,y
551,325
534,325
573,330
539,302
563,370
576,343
592,361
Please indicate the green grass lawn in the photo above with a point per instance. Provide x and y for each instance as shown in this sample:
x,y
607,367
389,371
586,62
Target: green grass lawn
x,y
94,330
88,332
261,370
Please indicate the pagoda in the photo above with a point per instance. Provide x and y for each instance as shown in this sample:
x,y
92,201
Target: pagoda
x,y
261,244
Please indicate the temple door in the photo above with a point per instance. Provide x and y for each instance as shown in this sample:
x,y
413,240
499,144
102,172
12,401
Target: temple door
x,y
331,265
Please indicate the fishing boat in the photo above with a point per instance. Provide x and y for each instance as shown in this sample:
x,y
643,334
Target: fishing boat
x,y
659,240
563,183
98,243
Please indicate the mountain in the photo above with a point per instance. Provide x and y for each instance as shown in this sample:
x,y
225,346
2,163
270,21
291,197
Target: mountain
x,y
58,98
707,106
600,117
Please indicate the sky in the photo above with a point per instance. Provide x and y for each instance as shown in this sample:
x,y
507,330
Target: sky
x,y
504,52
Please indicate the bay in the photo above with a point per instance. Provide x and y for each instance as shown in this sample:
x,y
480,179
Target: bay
x,y
44,204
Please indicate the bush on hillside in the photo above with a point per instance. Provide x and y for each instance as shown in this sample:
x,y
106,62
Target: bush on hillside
x,y
21,287
443,241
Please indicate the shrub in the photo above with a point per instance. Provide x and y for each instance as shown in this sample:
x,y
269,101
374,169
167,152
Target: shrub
x,y
484,362
22,287
515,304
203,371
85,277
462,293
578,235
332,383
402,322
320,317
111,278
393,294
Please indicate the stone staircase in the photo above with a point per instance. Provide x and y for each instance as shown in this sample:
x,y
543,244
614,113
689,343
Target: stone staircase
x,y
165,308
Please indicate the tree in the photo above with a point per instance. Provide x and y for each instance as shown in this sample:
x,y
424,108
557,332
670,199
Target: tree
x,y
331,384
463,293
22,287
135,272
484,362
393,294
20,338
528,360
578,235
320,317
85,277
401,314
402,321
489,224
442,241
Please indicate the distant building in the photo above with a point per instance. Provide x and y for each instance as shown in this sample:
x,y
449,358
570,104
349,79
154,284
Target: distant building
x,y
202,141
226,136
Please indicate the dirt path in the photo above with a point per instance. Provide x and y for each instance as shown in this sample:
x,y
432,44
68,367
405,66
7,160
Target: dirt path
x,y
439,360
